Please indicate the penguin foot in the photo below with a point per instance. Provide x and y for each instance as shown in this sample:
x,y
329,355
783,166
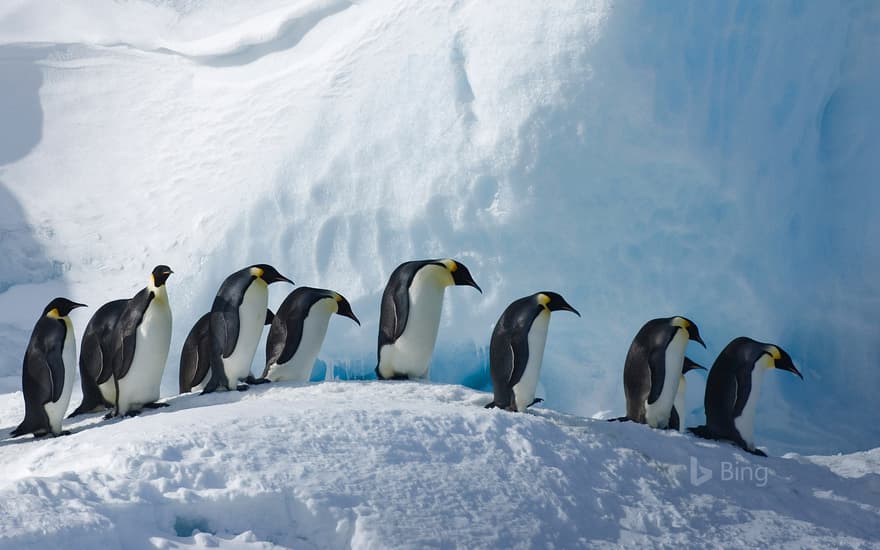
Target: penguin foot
x,y
131,414
111,415
620,419
242,387
256,381
491,405
704,432
61,433
156,405
757,452
537,400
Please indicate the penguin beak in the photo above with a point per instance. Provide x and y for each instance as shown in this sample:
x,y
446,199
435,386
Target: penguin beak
x,y
695,336
345,311
76,305
785,363
562,305
462,277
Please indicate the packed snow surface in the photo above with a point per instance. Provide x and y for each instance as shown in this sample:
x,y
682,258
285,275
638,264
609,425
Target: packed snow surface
x,y
412,465
645,159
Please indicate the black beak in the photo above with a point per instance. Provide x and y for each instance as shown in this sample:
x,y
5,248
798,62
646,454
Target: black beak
x,y
345,310
462,277
694,334
562,305
785,363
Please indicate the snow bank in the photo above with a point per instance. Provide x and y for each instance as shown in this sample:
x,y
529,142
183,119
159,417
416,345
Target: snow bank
x,y
409,465
713,161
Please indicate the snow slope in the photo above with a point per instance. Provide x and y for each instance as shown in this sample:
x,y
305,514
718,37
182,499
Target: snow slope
x,y
410,465
714,160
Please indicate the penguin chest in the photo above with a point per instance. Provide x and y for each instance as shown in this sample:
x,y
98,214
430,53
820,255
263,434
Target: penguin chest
x,y
745,422
251,318
411,353
299,367
153,337
679,403
524,390
55,409
657,413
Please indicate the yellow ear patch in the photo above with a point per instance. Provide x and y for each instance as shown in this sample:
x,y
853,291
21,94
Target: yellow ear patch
x,y
680,322
774,352
54,314
450,265
257,271
543,299
337,297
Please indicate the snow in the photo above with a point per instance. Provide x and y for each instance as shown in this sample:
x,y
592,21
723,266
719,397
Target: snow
x,y
644,160
411,465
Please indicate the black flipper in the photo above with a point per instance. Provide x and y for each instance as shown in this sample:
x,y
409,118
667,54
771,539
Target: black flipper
x,y
674,421
42,375
657,364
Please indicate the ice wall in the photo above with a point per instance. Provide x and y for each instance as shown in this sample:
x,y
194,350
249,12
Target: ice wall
x,y
706,159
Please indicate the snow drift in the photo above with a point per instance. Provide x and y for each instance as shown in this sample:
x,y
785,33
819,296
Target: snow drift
x,y
644,160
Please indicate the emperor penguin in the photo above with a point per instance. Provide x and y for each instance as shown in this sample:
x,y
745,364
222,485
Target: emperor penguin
x,y
653,369
141,339
298,331
236,323
95,359
676,417
195,359
48,370
410,315
732,390
516,350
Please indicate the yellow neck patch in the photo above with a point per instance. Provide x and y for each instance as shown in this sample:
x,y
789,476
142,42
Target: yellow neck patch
x,y
543,299
680,322
450,265
257,271
774,352
54,314
337,297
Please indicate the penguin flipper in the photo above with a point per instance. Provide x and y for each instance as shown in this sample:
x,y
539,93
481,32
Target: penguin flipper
x,y
37,386
276,345
293,330
90,366
657,365
225,327
125,337
674,421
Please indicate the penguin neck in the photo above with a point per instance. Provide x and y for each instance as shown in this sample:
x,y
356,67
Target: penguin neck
x,y
745,422
160,294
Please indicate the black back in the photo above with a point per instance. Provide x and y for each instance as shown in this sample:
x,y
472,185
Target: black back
x,y
729,384
95,356
395,301
509,347
125,331
287,327
42,377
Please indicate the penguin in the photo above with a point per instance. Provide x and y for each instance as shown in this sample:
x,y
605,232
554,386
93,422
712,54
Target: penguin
x,y
676,417
95,366
141,339
48,371
298,331
732,390
236,323
195,359
410,315
653,368
516,349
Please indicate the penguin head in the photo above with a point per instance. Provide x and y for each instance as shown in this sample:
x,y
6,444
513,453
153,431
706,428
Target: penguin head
x,y
460,274
690,365
553,301
160,274
690,327
60,307
268,274
344,308
779,358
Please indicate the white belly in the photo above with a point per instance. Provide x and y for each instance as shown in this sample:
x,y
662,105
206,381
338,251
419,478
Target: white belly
x,y
657,414
745,423
141,383
108,390
55,410
679,402
251,319
299,368
524,390
411,353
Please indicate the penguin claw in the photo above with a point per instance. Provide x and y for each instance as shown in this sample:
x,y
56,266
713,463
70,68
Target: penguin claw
x,y
620,419
491,405
536,401
110,415
131,414
242,387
